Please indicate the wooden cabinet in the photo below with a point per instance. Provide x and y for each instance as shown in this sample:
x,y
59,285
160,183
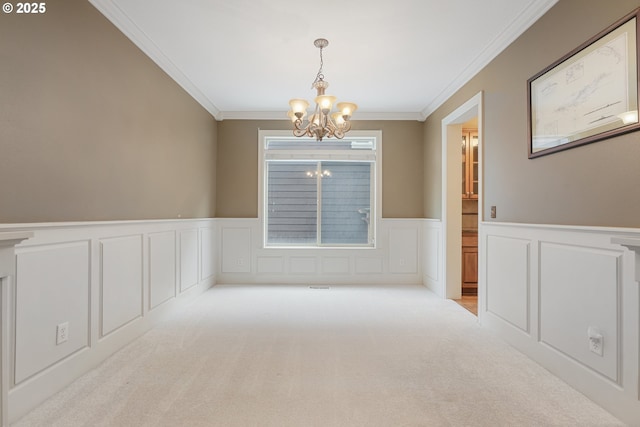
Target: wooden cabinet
x,y
470,264
469,164
469,191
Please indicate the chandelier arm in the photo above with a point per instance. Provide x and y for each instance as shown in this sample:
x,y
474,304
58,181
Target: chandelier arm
x,y
299,132
313,128
330,124
298,124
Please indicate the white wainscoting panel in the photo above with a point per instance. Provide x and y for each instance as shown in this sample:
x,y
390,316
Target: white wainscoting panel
x,y
335,265
8,242
403,249
208,252
594,293
369,265
121,281
52,287
236,250
302,265
101,278
567,280
188,259
162,267
270,264
432,256
507,290
397,257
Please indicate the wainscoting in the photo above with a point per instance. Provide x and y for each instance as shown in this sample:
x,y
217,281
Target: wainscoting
x,y
546,289
432,257
397,257
543,289
109,282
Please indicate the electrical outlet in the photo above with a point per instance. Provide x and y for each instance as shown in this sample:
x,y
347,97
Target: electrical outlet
x,y
62,333
596,341
493,211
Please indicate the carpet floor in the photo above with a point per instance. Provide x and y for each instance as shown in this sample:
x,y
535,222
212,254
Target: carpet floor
x,y
297,356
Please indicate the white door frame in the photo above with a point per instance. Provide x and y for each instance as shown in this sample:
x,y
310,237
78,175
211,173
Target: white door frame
x,y
451,193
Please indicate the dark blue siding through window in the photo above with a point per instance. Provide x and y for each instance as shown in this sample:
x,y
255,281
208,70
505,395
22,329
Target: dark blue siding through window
x,y
293,202
345,203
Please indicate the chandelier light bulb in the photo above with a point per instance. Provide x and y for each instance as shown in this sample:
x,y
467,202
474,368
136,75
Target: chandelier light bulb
x,y
347,108
338,118
325,102
299,106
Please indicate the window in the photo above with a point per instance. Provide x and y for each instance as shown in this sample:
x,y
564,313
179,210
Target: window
x,y
319,193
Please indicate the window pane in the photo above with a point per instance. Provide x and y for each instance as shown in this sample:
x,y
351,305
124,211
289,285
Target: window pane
x,y
346,202
291,203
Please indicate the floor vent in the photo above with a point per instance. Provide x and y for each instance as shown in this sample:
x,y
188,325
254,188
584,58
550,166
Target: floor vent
x,y
319,287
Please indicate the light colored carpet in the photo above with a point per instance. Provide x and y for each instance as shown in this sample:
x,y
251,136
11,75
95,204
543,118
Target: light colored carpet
x,y
295,356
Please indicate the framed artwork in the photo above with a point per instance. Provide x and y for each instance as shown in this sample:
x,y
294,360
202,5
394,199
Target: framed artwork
x,y
589,94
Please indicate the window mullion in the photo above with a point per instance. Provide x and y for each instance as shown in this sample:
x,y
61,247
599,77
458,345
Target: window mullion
x,y
372,205
319,204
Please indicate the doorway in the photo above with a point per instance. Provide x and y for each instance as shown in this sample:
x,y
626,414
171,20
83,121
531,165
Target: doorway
x,y
469,189
452,126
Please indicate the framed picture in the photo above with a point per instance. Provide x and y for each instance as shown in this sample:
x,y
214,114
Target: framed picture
x,y
588,95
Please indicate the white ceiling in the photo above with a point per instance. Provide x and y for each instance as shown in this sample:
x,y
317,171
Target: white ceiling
x,y
396,59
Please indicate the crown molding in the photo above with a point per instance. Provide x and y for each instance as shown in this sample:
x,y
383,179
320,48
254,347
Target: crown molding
x,y
525,19
281,115
118,18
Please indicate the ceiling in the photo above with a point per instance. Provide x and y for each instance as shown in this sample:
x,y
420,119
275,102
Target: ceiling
x,y
243,59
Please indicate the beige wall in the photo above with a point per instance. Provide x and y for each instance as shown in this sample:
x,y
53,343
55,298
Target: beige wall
x,y
237,169
596,184
92,129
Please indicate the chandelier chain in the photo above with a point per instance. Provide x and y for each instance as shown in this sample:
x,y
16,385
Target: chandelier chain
x,y
319,76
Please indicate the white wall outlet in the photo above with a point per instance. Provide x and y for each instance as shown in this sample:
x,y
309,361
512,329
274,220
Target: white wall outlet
x,y
62,333
596,341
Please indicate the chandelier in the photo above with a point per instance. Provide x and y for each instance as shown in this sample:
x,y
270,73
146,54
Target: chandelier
x,y
322,122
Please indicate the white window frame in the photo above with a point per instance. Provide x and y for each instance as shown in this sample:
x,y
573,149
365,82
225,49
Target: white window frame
x,y
374,155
